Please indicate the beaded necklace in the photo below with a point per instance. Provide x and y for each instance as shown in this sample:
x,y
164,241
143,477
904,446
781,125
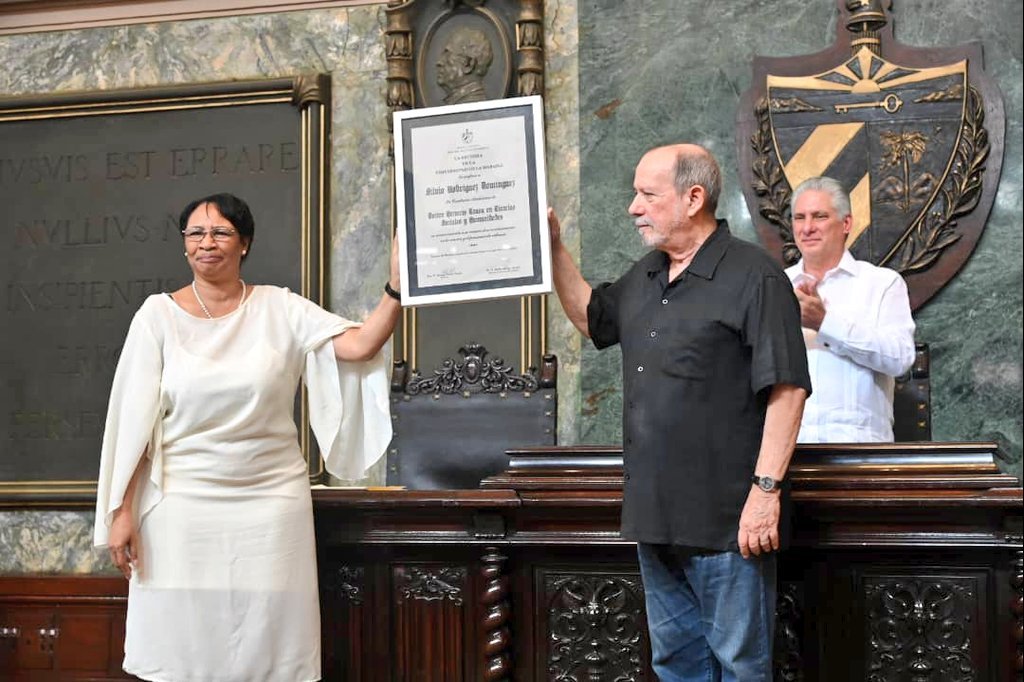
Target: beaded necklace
x,y
203,305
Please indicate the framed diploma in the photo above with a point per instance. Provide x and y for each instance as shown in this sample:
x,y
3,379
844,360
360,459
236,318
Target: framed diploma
x,y
471,202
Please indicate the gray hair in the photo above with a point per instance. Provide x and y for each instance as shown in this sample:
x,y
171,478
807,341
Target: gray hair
x,y
831,187
695,168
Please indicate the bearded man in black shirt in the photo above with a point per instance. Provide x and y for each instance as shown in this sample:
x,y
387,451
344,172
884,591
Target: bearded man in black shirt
x,y
714,383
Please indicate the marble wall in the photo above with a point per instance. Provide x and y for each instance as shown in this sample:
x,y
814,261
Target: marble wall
x,y
658,71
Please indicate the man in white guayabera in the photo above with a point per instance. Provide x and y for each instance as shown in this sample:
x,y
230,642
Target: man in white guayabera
x,y
856,320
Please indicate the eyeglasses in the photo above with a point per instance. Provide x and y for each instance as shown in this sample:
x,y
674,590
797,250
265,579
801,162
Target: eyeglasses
x,y
198,234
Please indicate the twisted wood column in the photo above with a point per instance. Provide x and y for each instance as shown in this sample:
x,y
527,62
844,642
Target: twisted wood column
x,y
496,637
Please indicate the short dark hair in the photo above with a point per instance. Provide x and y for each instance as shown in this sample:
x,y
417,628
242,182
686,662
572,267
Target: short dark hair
x,y
231,207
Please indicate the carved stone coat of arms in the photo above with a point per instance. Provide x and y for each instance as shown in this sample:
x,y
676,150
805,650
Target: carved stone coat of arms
x,y
915,135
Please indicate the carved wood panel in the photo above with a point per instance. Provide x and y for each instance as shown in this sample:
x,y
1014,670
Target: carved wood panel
x,y
594,628
788,661
924,627
346,631
429,622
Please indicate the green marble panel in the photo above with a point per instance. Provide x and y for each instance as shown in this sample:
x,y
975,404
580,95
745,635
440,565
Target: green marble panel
x,y
50,542
660,71
974,325
561,106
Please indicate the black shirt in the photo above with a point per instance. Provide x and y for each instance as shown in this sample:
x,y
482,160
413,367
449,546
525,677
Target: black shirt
x,y
699,357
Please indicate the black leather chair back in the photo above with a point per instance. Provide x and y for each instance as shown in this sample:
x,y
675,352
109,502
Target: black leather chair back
x,y
452,428
912,401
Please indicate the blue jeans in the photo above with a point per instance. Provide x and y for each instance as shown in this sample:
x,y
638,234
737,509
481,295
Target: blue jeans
x,y
710,614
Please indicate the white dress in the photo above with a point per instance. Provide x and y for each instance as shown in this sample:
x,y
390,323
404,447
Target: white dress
x,y
228,588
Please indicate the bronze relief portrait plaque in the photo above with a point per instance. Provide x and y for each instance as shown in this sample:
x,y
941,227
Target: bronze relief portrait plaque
x,y
465,57
457,51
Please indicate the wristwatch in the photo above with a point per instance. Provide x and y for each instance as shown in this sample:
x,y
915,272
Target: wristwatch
x,y
766,483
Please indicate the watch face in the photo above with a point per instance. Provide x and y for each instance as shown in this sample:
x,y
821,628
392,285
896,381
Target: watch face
x,y
766,483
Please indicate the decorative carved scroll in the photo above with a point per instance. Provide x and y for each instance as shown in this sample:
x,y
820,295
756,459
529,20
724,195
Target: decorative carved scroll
x,y
446,582
595,627
473,374
920,629
348,582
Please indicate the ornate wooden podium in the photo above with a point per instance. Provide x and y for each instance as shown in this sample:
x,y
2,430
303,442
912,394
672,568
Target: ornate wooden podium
x,y
905,563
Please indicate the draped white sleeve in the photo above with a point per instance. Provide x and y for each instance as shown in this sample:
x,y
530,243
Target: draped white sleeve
x,y
348,410
132,426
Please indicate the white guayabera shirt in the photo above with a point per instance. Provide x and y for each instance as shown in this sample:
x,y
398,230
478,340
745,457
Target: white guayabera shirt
x,y
865,341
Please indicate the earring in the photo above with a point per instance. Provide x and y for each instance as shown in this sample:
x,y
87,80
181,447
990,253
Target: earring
x,y
244,252
186,254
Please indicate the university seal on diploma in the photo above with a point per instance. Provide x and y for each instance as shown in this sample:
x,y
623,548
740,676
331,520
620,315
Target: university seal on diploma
x,y
471,202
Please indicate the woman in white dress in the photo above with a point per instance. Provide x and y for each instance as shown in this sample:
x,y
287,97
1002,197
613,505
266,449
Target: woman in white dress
x,y
203,497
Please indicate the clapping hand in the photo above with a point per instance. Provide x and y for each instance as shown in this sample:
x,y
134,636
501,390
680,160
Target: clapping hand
x,y
812,308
